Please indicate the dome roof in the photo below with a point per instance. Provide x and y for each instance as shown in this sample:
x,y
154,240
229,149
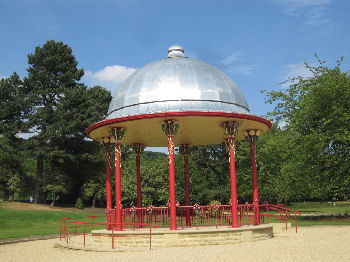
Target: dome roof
x,y
177,84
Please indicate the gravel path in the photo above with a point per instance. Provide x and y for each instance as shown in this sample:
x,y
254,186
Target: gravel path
x,y
326,243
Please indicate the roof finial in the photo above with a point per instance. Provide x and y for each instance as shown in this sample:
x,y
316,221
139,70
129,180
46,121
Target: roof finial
x,y
176,51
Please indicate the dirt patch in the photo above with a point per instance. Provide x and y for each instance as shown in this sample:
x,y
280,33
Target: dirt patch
x,y
310,244
30,206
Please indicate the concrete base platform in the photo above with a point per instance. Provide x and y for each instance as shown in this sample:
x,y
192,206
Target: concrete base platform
x,y
143,239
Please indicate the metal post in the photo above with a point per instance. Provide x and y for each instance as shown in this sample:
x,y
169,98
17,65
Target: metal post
x,y
84,234
231,130
150,238
172,194
170,128
118,193
117,134
252,136
233,182
112,239
108,182
60,229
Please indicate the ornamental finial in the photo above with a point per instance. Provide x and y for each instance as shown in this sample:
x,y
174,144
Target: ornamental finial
x,y
230,128
170,127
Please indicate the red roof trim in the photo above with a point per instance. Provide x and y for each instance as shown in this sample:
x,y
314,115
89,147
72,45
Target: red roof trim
x,y
177,114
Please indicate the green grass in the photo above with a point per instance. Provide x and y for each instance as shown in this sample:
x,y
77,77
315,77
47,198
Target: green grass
x,y
321,207
22,223
318,221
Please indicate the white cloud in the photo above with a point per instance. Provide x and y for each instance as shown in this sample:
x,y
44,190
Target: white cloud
x,y
314,11
115,73
110,77
299,69
233,57
238,68
294,70
317,16
243,69
293,6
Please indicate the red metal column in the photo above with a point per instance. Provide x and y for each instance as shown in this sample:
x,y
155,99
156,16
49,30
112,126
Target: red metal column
x,y
118,134
172,194
252,137
118,189
184,149
231,130
170,128
234,204
108,183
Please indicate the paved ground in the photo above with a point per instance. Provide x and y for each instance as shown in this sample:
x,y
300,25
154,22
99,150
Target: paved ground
x,y
326,243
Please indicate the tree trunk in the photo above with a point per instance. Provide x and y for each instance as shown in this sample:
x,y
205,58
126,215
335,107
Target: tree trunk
x,y
53,200
93,202
39,178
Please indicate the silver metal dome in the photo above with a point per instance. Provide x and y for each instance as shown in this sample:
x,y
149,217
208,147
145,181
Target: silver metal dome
x,y
177,84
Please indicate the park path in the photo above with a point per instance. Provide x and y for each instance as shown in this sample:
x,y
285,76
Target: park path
x,y
318,243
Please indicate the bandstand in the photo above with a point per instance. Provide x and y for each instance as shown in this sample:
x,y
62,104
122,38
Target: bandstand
x,y
179,102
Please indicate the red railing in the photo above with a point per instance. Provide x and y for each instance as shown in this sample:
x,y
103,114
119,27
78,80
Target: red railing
x,y
214,215
279,212
187,216
70,226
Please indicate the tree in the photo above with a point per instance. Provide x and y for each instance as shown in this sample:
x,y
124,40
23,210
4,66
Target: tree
x,y
60,111
316,111
15,176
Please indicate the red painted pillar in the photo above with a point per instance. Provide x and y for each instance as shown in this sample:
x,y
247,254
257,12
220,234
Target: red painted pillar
x,y
184,149
234,204
172,194
118,134
170,128
118,189
252,137
108,183
231,130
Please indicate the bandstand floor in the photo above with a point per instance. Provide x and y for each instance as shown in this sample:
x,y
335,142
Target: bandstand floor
x,y
146,238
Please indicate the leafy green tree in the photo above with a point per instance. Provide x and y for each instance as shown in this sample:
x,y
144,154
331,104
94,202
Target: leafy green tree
x,y
316,111
13,105
52,72
154,174
15,177
60,110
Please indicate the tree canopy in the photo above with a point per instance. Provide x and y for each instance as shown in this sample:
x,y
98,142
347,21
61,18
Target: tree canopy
x,y
316,111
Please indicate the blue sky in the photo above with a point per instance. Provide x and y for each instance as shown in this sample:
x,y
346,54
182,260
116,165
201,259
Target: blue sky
x,y
258,43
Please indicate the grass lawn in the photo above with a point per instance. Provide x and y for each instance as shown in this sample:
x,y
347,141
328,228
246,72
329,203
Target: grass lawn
x,y
321,207
318,221
21,223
